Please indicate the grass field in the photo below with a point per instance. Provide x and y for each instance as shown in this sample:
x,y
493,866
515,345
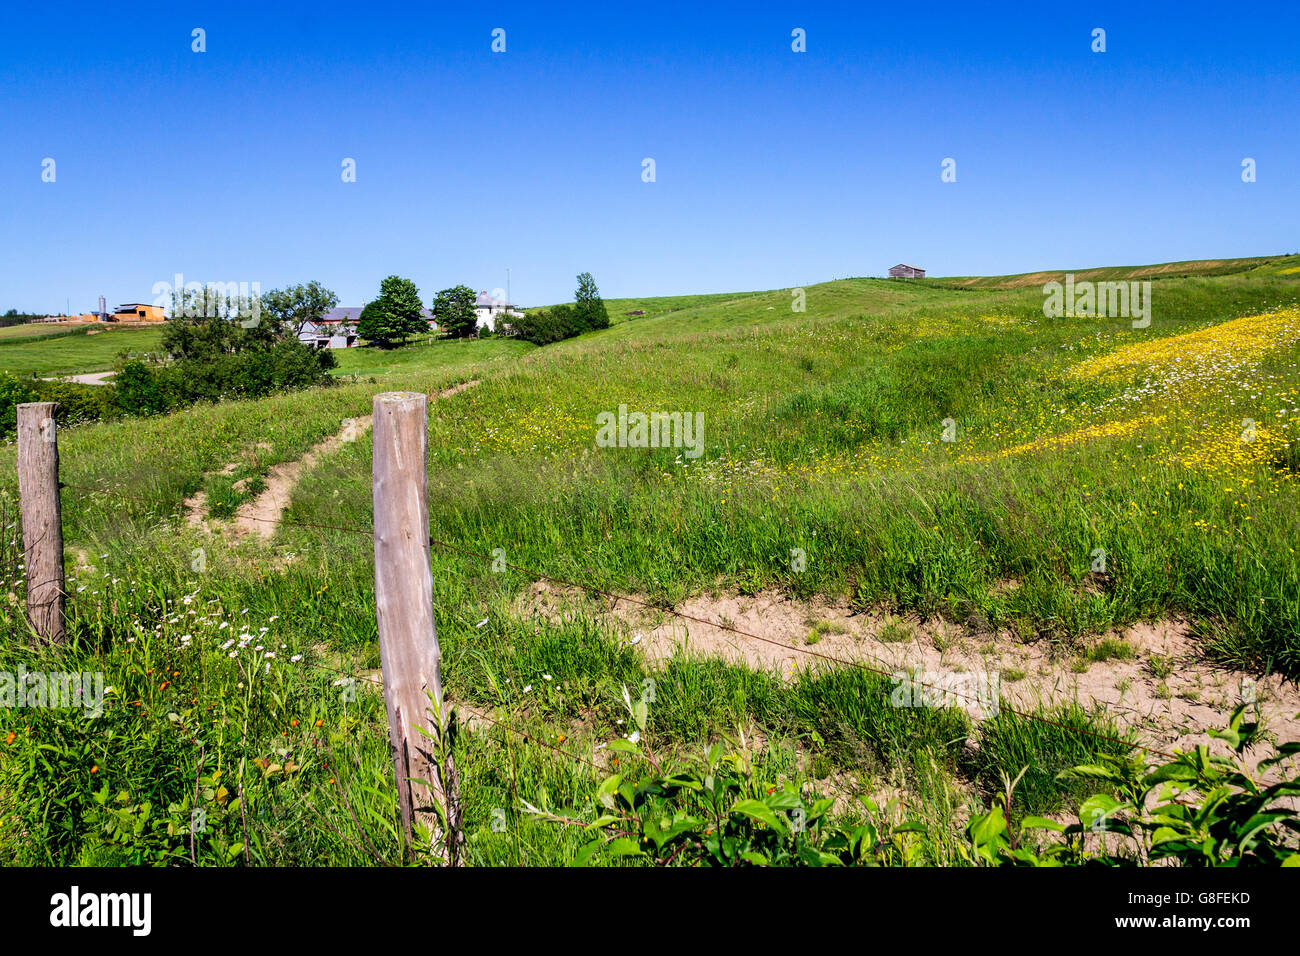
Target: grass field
x,y
824,433
25,351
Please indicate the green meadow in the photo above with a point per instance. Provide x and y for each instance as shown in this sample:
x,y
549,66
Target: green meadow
x,y
922,443
47,350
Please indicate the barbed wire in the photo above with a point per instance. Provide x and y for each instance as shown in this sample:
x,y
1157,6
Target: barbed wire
x,y
616,597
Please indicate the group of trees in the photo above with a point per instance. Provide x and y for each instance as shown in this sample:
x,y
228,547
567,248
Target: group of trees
x,y
226,350
543,326
398,314
216,348
222,347
14,317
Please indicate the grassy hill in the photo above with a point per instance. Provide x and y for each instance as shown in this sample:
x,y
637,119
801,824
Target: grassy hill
x,y
53,351
1277,265
825,432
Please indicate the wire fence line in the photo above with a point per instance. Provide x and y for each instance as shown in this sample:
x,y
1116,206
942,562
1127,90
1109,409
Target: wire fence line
x,y
617,597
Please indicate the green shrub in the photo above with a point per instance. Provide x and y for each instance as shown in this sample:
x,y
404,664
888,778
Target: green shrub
x,y
13,392
544,326
1198,809
716,811
77,403
252,373
135,391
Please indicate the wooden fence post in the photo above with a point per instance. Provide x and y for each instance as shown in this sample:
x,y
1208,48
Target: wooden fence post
x,y
42,516
408,638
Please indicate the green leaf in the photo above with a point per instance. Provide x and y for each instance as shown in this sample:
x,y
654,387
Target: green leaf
x,y
624,847
1041,823
986,828
757,810
1093,771
585,853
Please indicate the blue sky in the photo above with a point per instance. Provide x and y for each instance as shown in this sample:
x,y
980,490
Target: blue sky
x,y
773,168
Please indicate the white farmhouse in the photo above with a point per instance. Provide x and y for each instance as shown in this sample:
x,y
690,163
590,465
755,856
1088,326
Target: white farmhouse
x,y
487,308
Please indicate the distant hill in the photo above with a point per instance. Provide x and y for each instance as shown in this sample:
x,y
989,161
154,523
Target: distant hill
x,y
1163,270
872,293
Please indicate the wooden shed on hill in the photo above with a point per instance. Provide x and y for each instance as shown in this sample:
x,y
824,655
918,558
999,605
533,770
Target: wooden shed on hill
x,y
906,272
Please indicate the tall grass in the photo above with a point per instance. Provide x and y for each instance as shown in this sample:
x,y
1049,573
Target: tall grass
x,y
823,432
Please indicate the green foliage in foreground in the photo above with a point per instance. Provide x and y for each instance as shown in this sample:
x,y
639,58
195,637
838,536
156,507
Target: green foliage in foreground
x,y
822,433
1198,809
716,811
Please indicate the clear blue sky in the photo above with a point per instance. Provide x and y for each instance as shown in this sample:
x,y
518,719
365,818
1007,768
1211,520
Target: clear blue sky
x,y
774,169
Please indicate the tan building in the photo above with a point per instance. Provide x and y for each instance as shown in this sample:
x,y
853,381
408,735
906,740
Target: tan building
x,y
138,312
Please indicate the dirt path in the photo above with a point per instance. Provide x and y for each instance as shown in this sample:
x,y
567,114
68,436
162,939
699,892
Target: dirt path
x,y
92,378
1152,679
261,515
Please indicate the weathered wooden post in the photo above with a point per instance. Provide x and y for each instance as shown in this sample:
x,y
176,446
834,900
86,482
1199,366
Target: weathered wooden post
x,y
408,637
42,515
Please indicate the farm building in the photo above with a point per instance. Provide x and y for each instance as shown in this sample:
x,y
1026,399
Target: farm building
x,y
138,312
126,312
901,271
337,329
487,308
324,336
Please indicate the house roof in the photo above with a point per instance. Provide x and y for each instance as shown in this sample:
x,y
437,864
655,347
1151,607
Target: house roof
x,y
485,301
351,313
903,265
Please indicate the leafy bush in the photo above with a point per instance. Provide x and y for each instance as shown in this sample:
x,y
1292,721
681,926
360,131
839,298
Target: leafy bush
x,y
77,403
543,326
204,373
136,392
252,373
13,392
715,811
1199,809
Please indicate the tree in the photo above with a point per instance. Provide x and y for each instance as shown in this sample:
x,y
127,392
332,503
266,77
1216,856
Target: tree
x,y
395,315
454,311
204,324
204,337
589,307
404,301
288,311
377,325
